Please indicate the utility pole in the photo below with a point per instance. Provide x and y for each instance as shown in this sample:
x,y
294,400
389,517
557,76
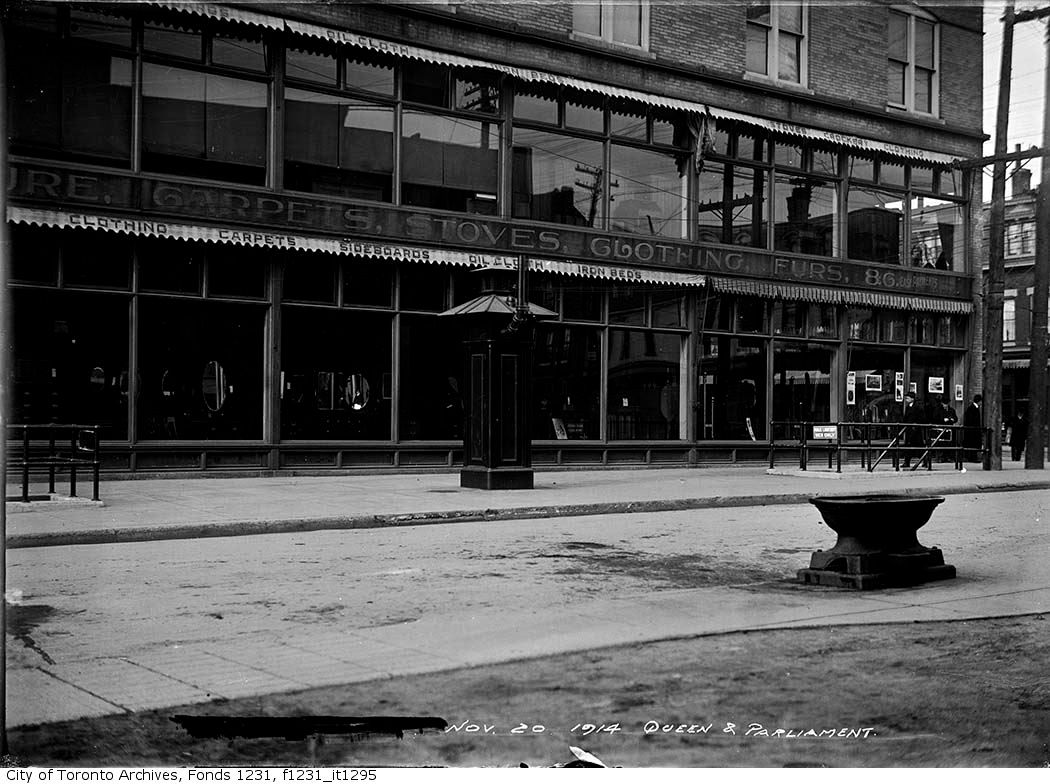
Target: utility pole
x,y
993,299
5,341
1037,382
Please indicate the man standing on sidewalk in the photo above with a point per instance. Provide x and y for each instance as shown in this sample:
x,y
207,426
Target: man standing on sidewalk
x,y
972,432
1018,434
913,417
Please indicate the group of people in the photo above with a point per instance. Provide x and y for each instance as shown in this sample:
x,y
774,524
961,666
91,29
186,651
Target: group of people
x,y
938,412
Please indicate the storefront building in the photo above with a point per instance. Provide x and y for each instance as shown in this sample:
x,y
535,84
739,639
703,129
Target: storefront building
x,y
1019,291
233,233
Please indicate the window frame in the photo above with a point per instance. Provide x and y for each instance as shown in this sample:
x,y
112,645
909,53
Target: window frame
x,y
1010,319
605,23
772,73
911,16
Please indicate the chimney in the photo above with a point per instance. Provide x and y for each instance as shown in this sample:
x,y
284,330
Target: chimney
x,y
1022,179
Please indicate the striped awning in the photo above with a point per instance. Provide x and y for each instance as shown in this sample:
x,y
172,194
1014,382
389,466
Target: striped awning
x,y
225,13
1020,364
166,229
794,292
400,49
341,246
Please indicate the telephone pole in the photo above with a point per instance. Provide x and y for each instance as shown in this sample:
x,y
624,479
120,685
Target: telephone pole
x,y
993,298
1037,382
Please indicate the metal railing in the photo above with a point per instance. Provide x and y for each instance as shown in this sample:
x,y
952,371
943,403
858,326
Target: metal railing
x,y
906,446
65,447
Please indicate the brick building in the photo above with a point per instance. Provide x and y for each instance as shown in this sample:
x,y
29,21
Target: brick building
x,y
234,227
1019,258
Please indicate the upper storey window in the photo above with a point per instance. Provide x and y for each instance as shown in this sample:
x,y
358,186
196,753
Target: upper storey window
x,y
624,22
912,79
776,40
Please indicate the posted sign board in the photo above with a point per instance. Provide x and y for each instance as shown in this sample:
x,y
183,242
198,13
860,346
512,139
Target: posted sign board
x,y
829,432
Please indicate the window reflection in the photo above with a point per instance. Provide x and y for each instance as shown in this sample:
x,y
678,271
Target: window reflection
x,y
432,370
789,318
173,40
338,146
203,124
937,235
806,215
68,107
566,383
876,225
449,163
861,324
801,382
310,66
332,387
647,194
370,75
208,384
875,398
731,205
557,178
69,355
645,395
731,384
100,27
240,52
627,305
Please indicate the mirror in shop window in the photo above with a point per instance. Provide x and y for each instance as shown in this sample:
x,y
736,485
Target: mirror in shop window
x,y
356,392
213,386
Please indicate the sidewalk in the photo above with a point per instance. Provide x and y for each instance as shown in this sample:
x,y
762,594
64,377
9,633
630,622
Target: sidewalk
x,y
155,509
134,674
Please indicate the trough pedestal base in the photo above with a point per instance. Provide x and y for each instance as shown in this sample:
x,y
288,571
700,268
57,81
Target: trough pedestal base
x,y
867,571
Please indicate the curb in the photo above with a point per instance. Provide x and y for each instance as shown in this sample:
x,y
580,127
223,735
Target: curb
x,y
303,525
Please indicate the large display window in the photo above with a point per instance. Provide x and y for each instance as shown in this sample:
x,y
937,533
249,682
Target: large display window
x,y
875,397
802,382
431,403
567,383
69,359
208,384
645,390
337,374
731,389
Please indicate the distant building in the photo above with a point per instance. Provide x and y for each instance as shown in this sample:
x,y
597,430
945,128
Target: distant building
x,y
1019,255
234,226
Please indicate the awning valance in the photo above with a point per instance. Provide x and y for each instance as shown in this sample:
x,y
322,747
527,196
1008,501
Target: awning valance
x,y
161,228
1019,364
831,137
165,229
225,13
399,49
524,74
799,293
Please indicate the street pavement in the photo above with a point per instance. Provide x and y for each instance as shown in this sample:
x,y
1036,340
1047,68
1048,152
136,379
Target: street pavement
x,y
1001,573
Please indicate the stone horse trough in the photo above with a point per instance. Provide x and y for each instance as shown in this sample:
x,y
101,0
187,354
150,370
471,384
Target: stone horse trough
x,y
877,545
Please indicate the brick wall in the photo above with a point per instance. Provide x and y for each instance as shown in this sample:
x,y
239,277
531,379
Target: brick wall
x,y
702,46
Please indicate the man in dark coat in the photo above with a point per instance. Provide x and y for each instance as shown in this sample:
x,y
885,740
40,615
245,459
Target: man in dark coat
x,y
915,417
1018,434
972,436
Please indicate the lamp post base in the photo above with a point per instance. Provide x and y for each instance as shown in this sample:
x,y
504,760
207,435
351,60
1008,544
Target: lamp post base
x,y
483,478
